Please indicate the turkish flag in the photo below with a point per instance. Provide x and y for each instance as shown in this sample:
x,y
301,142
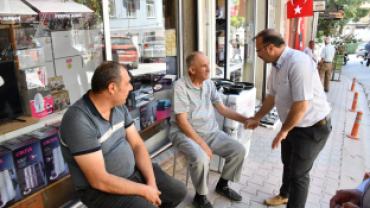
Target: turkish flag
x,y
299,8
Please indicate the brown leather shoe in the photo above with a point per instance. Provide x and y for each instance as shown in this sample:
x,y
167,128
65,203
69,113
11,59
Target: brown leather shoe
x,y
276,200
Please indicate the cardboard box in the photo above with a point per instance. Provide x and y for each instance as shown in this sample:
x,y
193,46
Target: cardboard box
x,y
33,78
148,114
61,100
9,188
37,102
56,84
55,166
29,163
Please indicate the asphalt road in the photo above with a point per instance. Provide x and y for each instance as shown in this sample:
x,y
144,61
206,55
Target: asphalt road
x,y
354,68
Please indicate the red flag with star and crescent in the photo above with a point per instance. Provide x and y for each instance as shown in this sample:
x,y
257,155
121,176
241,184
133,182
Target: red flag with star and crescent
x,y
299,8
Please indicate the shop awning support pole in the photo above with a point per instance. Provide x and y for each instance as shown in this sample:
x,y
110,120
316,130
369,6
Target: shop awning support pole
x,y
108,47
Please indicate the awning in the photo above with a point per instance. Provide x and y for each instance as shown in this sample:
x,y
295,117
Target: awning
x,y
14,7
59,7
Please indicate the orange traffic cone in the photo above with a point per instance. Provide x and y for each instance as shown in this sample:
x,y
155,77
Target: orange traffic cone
x,y
354,103
353,84
356,125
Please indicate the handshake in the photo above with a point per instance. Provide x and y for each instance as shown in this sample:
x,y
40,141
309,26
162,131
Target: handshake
x,y
251,123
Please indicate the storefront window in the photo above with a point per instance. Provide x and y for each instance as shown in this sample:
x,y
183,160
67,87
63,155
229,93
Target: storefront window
x,y
53,47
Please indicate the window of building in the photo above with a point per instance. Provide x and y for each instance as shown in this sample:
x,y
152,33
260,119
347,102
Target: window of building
x,y
150,9
131,8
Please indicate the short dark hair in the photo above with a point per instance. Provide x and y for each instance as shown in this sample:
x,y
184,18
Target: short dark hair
x,y
106,73
311,41
270,36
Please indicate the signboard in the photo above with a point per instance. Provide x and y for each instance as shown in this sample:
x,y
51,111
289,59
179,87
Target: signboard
x,y
318,6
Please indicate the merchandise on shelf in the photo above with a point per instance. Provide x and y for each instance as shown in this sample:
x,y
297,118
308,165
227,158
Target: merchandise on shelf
x,y
9,188
37,102
163,109
30,58
55,166
29,163
148,115
135,115
56,84
33,78
61,100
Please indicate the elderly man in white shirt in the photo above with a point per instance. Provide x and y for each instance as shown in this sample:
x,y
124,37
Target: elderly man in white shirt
x,y
325,65
299,97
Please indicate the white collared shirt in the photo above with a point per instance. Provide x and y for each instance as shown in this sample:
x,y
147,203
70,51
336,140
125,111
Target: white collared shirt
x,y
308,51
295,78
328,53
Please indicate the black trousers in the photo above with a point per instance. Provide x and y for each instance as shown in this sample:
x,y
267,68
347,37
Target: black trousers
x,y
173,192
298,153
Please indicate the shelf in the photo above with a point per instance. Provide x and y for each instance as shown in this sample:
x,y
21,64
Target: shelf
x,y
151,126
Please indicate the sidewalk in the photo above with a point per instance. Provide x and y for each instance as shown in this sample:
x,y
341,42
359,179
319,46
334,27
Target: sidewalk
x,y
341,164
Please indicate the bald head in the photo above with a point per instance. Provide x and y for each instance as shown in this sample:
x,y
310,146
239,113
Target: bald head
x,y
190,59
270,36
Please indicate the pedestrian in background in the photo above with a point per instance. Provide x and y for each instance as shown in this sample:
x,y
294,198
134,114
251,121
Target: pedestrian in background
x,y
325,65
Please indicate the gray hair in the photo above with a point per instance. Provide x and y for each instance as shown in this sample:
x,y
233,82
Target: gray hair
x,y
270,36
106,73
327,40
190,59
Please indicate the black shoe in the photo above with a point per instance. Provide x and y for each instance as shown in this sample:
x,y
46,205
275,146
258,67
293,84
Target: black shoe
x,y
202,202
229,193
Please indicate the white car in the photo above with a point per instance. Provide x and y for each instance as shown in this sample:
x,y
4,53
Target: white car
x,y
153,47
360,50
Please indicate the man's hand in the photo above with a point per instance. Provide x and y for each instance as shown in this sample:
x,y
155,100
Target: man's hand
x,y
347,198
152,195
279,137
206,148
251,123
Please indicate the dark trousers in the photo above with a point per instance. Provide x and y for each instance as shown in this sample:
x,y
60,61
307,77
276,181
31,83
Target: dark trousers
x,y
298,153
173,192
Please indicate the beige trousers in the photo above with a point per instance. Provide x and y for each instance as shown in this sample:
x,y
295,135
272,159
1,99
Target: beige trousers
x,y
325,70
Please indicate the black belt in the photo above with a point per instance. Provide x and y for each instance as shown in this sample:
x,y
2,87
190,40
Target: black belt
x,y
327,62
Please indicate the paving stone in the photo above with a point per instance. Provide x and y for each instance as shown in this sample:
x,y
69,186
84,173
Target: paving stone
x,y
330,189
217,204
318,181
332,174
251,188
332,182
276,172
257,205
248,171
326,198
310,205
252,165
324,205
278,206
271,160
261,197
244,179
267,166
246,196
257,160
273,180
239,205
279,166
237,186
268,188
314,189
320,167
262,172
258,179
314,199
319,174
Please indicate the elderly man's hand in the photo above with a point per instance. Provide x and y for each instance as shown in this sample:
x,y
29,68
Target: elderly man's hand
x,y
206,148
347,198
251,123
152,195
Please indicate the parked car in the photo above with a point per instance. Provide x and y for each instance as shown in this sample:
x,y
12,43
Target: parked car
x,y
124,51
360,50
153,47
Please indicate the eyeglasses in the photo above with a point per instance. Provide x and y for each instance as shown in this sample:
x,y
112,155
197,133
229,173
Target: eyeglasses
x,y
265,46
